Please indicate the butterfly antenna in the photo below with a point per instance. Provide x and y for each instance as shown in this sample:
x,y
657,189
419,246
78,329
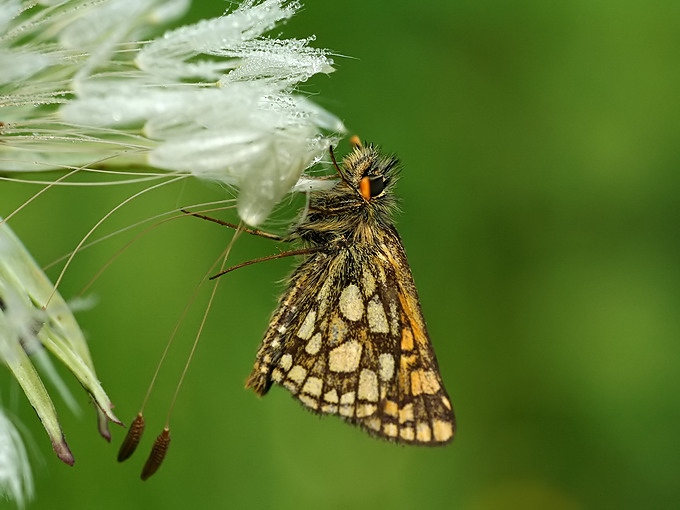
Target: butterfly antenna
x,y
335,162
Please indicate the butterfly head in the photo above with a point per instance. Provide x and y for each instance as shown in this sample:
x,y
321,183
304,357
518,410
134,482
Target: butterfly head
x,y
369,173
361,201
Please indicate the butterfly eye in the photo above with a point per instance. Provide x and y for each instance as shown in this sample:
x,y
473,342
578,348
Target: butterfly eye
x,y
370,187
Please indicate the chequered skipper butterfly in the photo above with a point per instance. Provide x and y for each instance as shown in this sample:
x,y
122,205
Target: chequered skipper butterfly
x,y
348,336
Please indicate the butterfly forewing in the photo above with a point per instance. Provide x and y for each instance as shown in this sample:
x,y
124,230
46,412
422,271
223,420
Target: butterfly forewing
x,y
349,339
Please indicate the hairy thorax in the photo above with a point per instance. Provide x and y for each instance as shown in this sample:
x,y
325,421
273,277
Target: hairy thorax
x,y
340,230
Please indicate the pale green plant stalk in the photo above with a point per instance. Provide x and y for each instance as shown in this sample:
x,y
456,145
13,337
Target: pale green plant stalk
x,y
85,87
25,330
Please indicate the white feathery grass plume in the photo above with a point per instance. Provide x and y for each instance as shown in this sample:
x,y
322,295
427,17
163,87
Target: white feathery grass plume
x,y
26,328
16,479
215,99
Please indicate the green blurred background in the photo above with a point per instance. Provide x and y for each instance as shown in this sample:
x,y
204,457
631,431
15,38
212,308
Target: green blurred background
x,y
540,146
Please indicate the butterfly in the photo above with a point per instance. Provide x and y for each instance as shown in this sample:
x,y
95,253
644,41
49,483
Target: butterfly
x,y
348,337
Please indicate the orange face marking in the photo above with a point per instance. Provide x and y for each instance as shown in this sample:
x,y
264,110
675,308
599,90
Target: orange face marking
x,y
365,188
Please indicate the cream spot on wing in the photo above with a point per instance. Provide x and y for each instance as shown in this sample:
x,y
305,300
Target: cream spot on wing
x,y
345,357
331,396
423,432
329,408
297,374
307,327
313,386
386,364
407,433
348,398
430,382
390,429
347,411
373,423
351,303
309,401
446,403
442,430
281,329
391,408
377,320
424,381
314,344
336,331
277,375
368,385
368,282
286,362
406,413
364,410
